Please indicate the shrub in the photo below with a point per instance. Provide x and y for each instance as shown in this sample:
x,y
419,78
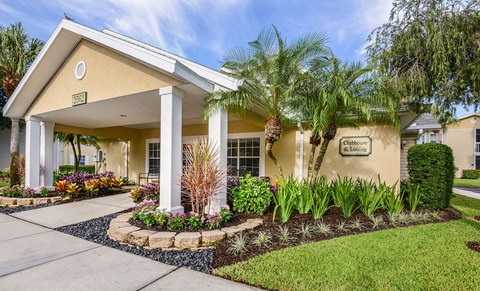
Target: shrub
x,y
149,192
14,191
5,173
431,167
251,195
89,169
203,175
344,195
305,197
470,174
177,221
285,199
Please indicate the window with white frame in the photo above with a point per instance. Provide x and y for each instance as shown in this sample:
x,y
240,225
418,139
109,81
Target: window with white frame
x,y
243,156
153,155
82,160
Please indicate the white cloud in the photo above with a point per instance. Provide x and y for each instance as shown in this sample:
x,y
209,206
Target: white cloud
x,y
167,24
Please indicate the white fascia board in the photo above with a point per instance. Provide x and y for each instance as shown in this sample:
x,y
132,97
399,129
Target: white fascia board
x,y
468,115
192,77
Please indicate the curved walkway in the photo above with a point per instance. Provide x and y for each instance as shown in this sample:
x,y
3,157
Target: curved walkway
x,y
469,192
36,257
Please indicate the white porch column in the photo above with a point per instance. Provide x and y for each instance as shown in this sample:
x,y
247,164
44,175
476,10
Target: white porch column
x,y
218,136
32,152
46,154
171,149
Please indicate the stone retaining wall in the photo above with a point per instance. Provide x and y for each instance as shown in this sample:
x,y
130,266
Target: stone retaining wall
x,y
14,201
121,230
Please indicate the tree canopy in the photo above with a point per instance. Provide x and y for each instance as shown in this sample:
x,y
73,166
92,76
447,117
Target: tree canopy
x,y
431,51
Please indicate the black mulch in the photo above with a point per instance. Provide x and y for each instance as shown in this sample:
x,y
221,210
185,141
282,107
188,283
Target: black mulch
x,y
95,230
10,210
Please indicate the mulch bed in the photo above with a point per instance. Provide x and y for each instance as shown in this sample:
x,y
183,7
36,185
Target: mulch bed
x,y
333,217
474,245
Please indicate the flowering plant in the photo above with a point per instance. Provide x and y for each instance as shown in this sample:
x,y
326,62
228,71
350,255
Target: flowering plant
x,y
176,221
213,221
194,220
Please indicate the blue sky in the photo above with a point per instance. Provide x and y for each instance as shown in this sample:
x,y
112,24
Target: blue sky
x,y
203,30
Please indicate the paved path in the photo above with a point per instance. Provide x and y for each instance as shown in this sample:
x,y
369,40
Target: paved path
x,y
34,257
75,212
473,193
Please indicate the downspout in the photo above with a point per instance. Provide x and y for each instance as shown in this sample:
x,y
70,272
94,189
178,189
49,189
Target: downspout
x,y
302,141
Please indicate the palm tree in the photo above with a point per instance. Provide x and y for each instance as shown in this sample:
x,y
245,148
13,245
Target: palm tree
x,y
347,95
17,52
269,72
76,141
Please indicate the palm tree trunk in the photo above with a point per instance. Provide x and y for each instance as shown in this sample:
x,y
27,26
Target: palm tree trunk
x,y
321,156
14,151
270,154
79,153
310,162
74,154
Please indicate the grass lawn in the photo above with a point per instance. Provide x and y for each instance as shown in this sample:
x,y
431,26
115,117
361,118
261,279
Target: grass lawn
x,y
432,256
466,182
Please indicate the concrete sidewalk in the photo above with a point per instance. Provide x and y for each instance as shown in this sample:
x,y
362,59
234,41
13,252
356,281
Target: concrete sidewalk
x,y
37,258
467,193
75,212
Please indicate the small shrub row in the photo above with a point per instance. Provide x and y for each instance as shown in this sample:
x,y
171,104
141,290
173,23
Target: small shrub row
x,y
20,191
79,184
151,216
470,174
251,195
90,169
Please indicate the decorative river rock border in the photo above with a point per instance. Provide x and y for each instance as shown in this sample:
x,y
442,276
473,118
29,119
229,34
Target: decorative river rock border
x,y
121,230
14,201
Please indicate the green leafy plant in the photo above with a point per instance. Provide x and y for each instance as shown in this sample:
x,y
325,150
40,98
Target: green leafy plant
x,y
251,195
304,197
413,198
226,214
14,191
176,221
392,203
91,187
194,220
369,200
470,174
283,233
344,195
262,239
357,224
44,192
285,199
239,244
403,218
321,193
342,226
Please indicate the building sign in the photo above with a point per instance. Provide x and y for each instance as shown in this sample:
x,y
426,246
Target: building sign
x,y
79,99
355,146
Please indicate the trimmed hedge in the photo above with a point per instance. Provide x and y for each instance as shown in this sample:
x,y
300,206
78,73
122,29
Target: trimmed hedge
x,y
89,169
431,166
470,174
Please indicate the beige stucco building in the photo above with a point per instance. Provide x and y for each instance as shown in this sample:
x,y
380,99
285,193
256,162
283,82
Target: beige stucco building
x,y
146,104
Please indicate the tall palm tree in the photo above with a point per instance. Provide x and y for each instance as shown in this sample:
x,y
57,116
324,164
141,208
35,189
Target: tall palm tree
x,y
17,52
76,141
269,70
348,95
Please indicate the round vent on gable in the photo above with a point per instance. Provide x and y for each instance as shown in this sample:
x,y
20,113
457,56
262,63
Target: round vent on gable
x,y
80,70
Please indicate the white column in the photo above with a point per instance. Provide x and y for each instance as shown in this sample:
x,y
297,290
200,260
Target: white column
x,y
171,149
46,154
32,152
218,136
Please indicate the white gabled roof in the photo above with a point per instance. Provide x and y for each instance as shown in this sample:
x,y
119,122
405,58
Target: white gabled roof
x,y
469,115
66,37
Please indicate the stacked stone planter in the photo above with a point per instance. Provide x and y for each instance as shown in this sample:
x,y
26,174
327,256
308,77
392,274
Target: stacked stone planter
x,y
121,230
13,201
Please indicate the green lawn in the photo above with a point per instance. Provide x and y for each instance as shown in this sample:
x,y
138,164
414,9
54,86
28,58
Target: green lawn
x,y
466,182
430,256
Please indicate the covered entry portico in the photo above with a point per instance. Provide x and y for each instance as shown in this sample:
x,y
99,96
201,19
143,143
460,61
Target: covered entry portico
x,y
129,88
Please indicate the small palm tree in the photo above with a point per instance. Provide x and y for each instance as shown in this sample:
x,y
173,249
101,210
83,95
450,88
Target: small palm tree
x,y
17,52
76,141
269,72
347,95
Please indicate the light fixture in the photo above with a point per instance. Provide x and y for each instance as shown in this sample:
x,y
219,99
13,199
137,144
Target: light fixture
x,y
123,115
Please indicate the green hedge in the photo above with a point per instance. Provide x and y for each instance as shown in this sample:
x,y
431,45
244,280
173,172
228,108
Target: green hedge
x,y
470,174
90,169
431,166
